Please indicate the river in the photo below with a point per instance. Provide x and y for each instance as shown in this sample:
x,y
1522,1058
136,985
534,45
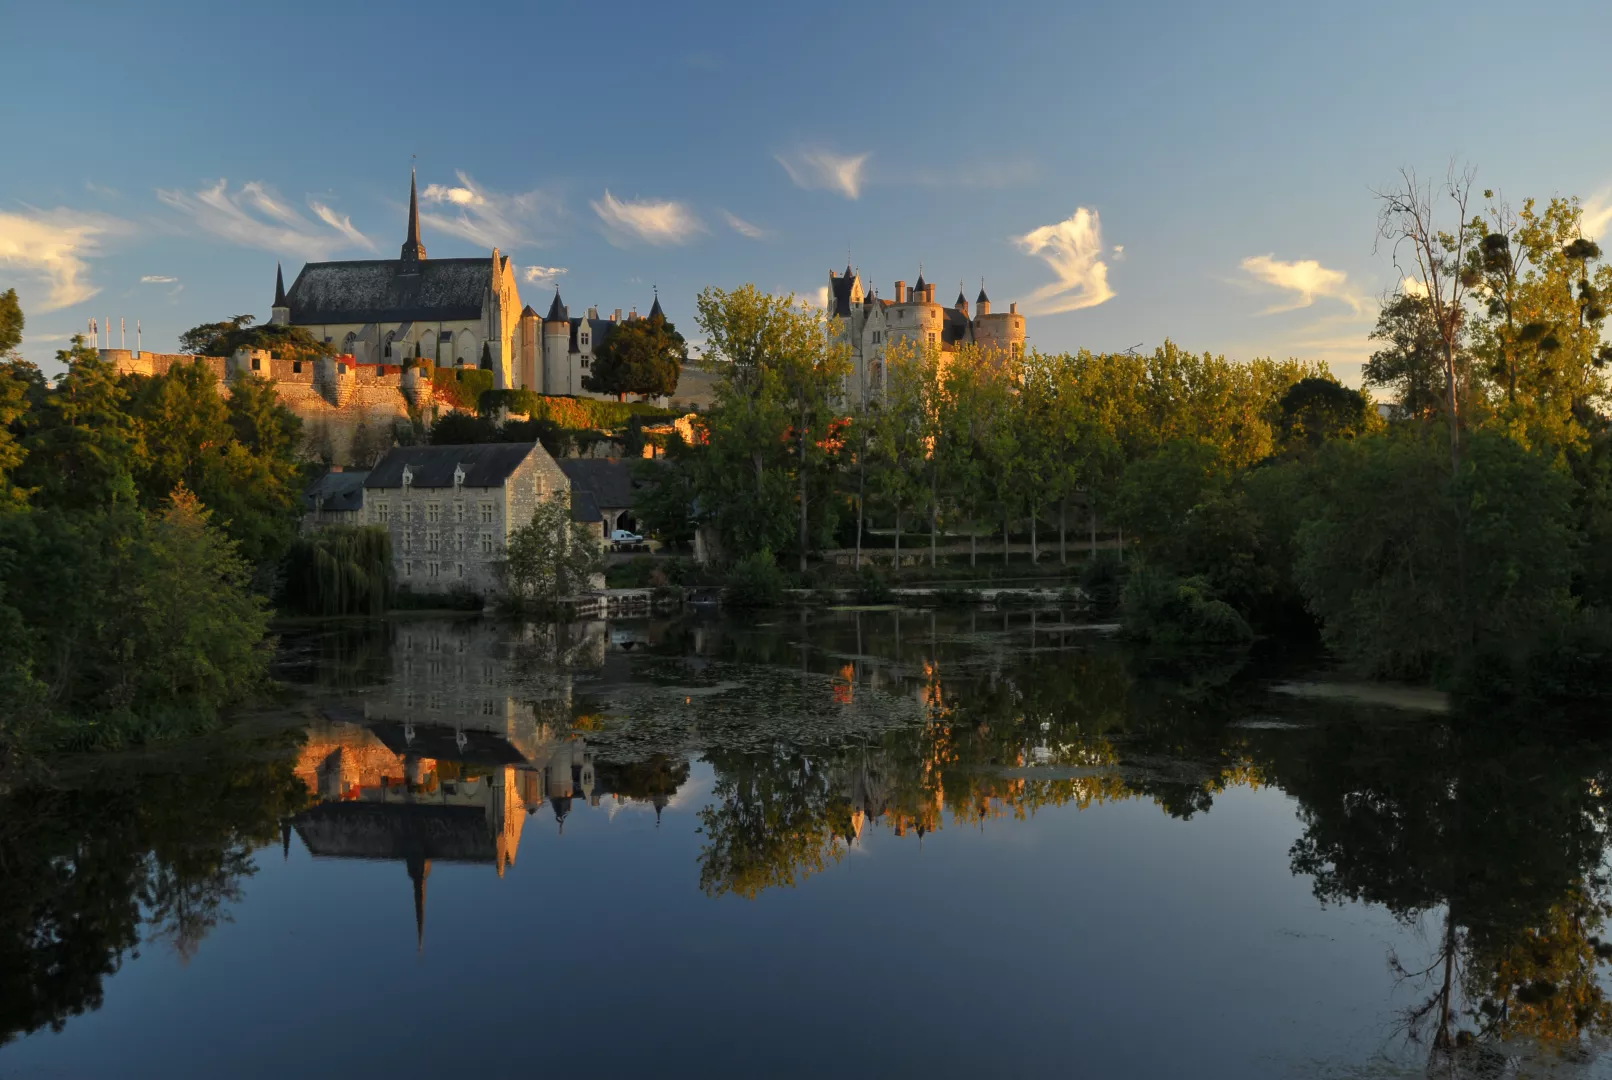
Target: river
x,y
872,842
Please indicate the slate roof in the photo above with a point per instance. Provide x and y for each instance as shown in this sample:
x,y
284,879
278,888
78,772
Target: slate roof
x,y
366,830
557,312
389,290
601,329
607,480
953,327
842,295
655,308
982,298
487,465
339,491
584,507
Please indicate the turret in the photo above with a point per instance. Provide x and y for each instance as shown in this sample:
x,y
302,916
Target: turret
x,y
982,303
280,313
557,349
962,301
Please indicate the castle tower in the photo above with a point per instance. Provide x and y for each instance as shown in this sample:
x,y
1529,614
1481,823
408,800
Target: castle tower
x,y
982,302
962,300
557,348
280,313
529,348
413,250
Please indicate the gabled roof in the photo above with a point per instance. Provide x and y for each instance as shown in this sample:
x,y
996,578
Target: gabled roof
x,y
389,290
366,830
336,491
486,465
528,311
608,480
601,329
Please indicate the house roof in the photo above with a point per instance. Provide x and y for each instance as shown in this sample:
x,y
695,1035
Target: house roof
x,y
389,290
486,465
584,507
607,480
601,330
336,491
366,830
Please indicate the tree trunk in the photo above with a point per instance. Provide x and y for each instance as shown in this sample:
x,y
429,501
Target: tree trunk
x,y
898,538
861,491
934,527
1005,541
803,529
1035,551
1063,531
973,544
1122,543
1091,513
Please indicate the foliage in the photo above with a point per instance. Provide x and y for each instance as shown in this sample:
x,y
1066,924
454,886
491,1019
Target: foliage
x,y
640,356
1171,612
550,557
1315,410
340,571
755,581
461,387
277,339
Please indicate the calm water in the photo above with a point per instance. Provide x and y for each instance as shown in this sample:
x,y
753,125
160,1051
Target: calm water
x,y
869,843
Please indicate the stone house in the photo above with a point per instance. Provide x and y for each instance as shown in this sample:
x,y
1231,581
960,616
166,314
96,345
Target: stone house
x,y
336,498
451,509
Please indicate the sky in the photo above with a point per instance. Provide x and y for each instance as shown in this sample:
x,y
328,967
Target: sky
x,y
1126,173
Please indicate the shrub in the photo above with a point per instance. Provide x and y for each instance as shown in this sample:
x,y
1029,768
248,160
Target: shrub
x,y
1102,579
342,571
871,586
461,387
1167,610
754,582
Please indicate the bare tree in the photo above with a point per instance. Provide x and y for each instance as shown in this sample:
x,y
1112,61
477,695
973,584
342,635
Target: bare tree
x,y
1433,258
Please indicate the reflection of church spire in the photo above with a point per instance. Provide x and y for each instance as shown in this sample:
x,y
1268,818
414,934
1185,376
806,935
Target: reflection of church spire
x,y
660,800
285,838
419,870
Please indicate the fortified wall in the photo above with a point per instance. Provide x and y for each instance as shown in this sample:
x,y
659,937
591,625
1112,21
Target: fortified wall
x,y
349,411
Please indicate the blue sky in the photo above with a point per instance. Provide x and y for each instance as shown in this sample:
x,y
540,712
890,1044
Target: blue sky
x,y
1128,172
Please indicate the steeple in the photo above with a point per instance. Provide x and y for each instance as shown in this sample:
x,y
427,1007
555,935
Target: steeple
x,y
557,312
419,871
655,308
280,314
413,250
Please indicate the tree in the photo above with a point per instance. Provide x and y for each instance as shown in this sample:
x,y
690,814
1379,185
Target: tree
x,y
640,356
1315,410
1410,361
11,323
277,339
550,557
80,439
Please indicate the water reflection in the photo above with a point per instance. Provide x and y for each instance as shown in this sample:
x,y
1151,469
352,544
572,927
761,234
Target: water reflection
x,y
821,733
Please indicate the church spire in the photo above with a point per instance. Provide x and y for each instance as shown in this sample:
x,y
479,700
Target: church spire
x,y
413,250
279,287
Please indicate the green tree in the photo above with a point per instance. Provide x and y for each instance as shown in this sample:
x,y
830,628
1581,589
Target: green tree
x,y
640,356
551,556
277,339
1315,409
1410,360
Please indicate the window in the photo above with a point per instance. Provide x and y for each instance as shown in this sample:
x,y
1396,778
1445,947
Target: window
x,y
459,512
433,541
408,513
460,567
257,364
486,544
433,512
486,513
296,365
931,339
459,540
381,513
435,569
488,708
584,339
408,540
408,568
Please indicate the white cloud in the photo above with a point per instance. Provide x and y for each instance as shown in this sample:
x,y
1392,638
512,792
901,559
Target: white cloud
x,y
1119,249
652,222
1073,248
543,275
158,279
256,217
341,223
743,227
1306,278
1413,287
830,172
1597,215
485,217
53,246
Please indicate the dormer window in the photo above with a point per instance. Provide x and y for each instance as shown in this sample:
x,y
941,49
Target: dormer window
x,y
458,477
584,339
408,476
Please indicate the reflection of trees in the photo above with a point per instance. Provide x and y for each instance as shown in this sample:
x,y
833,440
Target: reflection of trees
x,y
92,872
772,822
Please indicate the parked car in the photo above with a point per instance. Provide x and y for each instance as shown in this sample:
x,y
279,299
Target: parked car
x,y
622,536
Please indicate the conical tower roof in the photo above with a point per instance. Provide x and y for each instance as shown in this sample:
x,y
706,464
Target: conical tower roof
x,y
413,250
279,287
557,312
655,308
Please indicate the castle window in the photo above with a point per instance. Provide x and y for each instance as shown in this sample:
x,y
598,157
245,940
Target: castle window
x,y
459,512
257,364
486,544
408,568
433,541
381,513
931,339
408,513
486,513
436,568
461,568
408,542
433,512
296,365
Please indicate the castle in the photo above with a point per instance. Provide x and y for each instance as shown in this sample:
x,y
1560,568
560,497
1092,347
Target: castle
x,y
868,324
448,312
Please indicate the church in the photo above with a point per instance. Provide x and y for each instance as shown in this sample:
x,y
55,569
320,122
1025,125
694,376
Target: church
x,y
448,312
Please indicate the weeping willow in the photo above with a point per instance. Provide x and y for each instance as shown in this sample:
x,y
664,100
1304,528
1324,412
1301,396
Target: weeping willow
x,y
341,571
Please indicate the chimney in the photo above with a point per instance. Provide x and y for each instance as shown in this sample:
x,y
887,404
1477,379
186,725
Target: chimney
x,y
901,292
1013,309
616,315
632,315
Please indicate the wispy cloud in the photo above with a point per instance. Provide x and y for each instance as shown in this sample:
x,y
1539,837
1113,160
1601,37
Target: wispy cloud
x,y
1307,279
256,216
158,279
648,220
1597,216
743,227
820,170
101,189
341,223
544,275
53,246
488,218
1073,248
